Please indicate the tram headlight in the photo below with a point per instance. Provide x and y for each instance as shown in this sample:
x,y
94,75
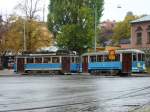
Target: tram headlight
x,y
138,65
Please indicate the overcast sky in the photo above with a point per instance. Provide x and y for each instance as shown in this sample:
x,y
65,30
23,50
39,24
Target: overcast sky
x,y
111,10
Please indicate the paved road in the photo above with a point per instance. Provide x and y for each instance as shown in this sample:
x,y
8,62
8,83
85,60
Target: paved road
x,y
73,93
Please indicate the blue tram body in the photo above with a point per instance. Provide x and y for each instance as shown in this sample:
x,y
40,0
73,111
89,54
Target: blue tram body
x,y
42,66
105,66
38,63
126,61
138,66
30,67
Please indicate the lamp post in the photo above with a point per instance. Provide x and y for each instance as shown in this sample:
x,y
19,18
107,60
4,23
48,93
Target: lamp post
x,y
24,36
95,8
24,30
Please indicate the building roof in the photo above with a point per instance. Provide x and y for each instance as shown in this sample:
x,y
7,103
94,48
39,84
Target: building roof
x,y
125,41
142,19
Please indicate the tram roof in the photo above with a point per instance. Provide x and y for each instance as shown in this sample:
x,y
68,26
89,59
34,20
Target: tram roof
x,y
117,52
44,55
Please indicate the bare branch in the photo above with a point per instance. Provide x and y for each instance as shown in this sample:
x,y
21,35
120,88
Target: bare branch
x,y
30,8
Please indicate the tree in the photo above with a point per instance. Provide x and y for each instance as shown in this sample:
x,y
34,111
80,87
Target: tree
x,y
37,35
72,22
122,29
106,32
30,8
3,30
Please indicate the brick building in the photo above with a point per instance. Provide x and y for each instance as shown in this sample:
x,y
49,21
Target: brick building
x,y
140,35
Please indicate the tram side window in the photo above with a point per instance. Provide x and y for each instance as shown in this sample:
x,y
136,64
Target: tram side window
x,y
92,58
106,58
77,60
139,57
143,57
72,59
117,58
38,60
99,58
55,60
134,57
29,60
47,60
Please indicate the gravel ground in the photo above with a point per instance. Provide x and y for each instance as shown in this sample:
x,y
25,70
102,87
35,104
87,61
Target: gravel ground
x,y
7,72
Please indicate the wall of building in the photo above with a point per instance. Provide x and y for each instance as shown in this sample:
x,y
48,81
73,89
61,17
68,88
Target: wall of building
x,y
145,45
125,46
144,26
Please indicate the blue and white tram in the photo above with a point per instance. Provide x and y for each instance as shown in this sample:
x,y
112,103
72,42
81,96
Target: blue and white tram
x,y
126,61
47,63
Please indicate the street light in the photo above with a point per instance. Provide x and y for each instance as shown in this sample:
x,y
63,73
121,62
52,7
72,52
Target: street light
x,y
24,30
24,36
95,8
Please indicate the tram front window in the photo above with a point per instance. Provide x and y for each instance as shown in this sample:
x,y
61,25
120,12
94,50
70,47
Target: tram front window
x,y
143,57
139,57
134,58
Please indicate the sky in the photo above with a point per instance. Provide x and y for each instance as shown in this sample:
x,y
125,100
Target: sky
x,y
111,10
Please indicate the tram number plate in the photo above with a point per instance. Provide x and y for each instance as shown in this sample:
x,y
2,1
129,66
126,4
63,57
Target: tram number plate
x,y
112,54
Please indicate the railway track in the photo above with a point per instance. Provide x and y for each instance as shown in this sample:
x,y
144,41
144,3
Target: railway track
x,y
129,94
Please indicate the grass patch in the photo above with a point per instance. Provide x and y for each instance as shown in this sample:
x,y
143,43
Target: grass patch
x,y
148,69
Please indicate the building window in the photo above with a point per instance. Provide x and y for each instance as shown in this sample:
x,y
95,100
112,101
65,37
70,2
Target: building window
x,y
139,29
148,37
139,38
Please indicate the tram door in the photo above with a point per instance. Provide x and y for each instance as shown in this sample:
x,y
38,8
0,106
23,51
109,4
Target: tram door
x,y
66,64
126,62
20,64
85,64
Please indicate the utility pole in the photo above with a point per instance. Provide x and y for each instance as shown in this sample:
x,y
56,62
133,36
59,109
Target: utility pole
x,y
43,12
